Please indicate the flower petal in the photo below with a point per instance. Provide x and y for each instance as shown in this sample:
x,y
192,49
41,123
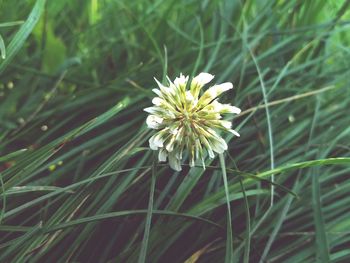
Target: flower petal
x,y
162,155
152,110
216,90
213,92
174,163
170,145
157,101
198,82
226,124
207,146
154,122
218,145
230,109
156,110
158,92
223,108
156,141
181,81
160,85
202,79
234,132
152,144
165,90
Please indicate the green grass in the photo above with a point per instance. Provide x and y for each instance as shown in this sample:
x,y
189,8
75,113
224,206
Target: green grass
x,y
78,181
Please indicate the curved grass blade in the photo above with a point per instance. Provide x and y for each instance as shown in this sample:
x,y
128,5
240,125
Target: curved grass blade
x,y
128,213
30,189
294,166
18,40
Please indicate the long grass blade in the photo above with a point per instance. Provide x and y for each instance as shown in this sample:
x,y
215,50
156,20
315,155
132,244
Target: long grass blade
x,y
145,240
229,243
23,33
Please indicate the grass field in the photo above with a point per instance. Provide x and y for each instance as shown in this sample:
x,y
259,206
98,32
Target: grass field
x,y
78,181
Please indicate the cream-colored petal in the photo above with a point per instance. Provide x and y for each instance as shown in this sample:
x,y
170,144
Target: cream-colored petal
x,y
189,96
181,81
224,108
156,141
202,79
157,101
226,124
231,109
159,111
213,92
178,152
152,110
170,145
198,82
234,132
207,146
217,90
158,92
162,155
191,101
152,144
218,145
174,163
170,82
160,85
165,90
154,122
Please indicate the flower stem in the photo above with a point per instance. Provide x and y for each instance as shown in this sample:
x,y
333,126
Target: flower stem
x,y
144,245
229,247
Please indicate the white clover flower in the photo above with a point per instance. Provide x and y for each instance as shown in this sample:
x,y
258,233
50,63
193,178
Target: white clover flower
x,y
188,122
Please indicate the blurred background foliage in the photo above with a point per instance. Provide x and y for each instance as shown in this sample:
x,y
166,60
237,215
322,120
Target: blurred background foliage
x,y
75,165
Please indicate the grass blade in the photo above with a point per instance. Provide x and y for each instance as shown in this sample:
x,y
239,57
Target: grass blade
x,y
229,244
145,240
322,247
247,237
12,155
2,48
18,40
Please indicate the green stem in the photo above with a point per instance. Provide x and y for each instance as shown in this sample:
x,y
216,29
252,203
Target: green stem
x,y
229,247
247,239
143,253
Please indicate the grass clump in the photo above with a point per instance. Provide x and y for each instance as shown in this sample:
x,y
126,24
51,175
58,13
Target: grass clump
x,y
76,170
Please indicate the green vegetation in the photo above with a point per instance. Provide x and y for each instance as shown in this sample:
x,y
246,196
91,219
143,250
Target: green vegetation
x,y
76,172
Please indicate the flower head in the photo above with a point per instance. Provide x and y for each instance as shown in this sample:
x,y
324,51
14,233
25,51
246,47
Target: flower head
x,y
188,122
